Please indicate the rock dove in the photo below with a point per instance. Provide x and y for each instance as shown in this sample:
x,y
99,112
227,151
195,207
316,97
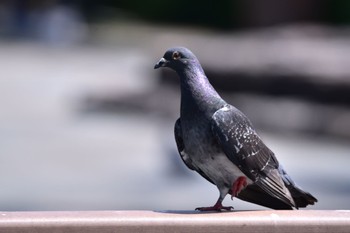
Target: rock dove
x,y
220,143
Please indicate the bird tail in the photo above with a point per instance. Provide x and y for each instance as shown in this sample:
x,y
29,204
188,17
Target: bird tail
x,y
301,198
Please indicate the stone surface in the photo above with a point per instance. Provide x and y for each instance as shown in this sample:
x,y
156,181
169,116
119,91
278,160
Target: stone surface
x,y
176,221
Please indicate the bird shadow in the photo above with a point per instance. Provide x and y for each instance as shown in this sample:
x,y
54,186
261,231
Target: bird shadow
x,y
190,212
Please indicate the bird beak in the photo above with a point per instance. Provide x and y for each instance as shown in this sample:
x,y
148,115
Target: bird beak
x,y
162,62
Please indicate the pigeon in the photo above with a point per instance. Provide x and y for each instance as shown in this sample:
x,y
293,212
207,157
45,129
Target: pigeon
x,y
219,142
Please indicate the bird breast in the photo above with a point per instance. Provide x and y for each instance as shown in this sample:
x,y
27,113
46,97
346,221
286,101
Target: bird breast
x,y
206,154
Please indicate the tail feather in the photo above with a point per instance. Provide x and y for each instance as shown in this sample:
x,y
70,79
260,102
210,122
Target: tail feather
x,y
255,194
301,198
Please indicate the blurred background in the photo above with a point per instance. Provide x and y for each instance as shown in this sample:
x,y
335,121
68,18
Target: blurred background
x,y
87,124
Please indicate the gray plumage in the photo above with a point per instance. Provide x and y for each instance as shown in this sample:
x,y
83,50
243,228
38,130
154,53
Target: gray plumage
x,y
219,142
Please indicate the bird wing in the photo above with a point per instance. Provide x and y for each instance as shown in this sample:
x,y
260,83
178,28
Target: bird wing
x,y
246,150
181,148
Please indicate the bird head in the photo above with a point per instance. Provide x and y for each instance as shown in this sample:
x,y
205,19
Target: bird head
x,y
176,58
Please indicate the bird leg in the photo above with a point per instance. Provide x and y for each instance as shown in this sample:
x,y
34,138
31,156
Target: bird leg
x,y
217,207
238,186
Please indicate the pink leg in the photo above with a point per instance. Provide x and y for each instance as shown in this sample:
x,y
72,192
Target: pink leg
x,y
217,207
238,186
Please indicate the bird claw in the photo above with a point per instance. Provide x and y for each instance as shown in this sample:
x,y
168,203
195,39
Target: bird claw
x,y
217,207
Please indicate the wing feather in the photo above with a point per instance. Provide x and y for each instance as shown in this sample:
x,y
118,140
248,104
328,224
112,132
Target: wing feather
x,y
244,148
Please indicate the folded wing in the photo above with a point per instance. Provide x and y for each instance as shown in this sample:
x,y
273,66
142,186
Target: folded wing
x,y
246,150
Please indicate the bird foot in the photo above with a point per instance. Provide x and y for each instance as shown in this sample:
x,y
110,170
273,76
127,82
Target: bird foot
x,y
217,207
238,186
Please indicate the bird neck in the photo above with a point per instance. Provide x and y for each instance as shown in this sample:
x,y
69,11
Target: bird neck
x,y
197,94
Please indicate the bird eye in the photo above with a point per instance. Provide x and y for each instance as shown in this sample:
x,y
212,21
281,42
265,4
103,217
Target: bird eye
x,y
176,55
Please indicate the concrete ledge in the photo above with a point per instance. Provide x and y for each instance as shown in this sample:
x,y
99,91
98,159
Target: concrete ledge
x,y
176,221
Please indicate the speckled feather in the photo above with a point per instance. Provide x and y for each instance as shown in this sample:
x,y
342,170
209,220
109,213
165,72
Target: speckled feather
x,y
244,147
